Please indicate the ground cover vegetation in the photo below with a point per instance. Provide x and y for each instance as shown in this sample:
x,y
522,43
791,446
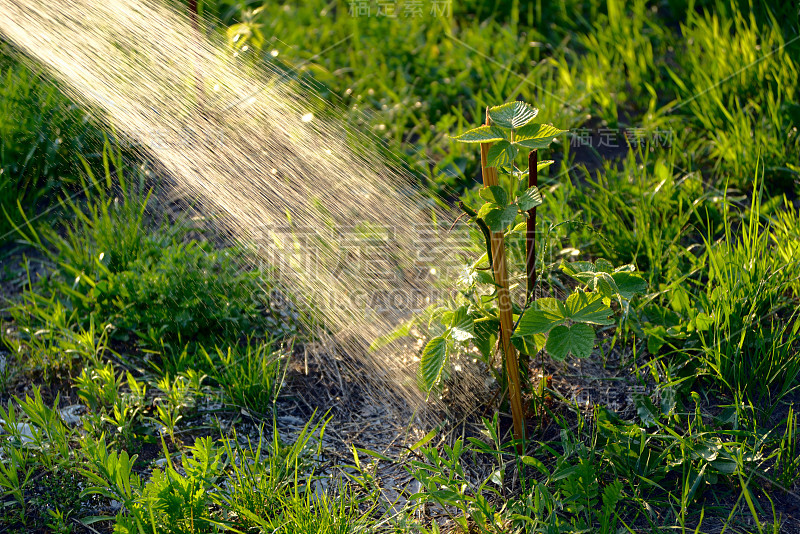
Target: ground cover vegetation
x,y
143,368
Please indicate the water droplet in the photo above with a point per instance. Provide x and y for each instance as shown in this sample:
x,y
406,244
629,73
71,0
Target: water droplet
x,y
274,53
308,117
216,87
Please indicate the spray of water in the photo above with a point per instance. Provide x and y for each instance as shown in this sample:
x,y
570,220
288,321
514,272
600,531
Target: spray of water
x,y
343,230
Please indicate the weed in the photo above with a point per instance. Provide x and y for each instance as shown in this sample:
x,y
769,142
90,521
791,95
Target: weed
x,y
250,377
176,398
112,267
99,387
42,135
741,322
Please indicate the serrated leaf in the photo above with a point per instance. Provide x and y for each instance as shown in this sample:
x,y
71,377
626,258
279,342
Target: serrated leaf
x,y
603,266
486,336
577,340
518,228
485,209
494,193
502,153
529,199
498,219
461,325
606,285
529,344
544,164
536,135
629,284
485,277
432,362
513,114
541,317
539,166
482,134
583,307
583,271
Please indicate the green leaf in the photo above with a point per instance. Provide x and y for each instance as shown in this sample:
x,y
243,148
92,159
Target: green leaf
x,y
648,413
498,219
544,164
425,439
534,462
529,344
398,333
482,134
513,114
703,321
432,362
485,336
577,340
536,135
525,172
485,209
584,307
603,266
583,271
541,318
461,325
494,193
519,227
629,284
529,199
502,153
485,277
606,285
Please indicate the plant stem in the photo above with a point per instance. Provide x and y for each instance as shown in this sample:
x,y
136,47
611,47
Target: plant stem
x,y
533,179
530,266
490,178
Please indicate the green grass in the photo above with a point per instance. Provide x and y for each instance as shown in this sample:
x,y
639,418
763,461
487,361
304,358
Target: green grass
x,y
42,136
250,377
114,267
145,326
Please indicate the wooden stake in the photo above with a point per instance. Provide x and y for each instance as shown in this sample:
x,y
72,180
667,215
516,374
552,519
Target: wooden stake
x,y
490,178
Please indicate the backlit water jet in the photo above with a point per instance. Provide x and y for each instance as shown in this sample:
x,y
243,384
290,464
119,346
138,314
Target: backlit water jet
x,y
348,234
